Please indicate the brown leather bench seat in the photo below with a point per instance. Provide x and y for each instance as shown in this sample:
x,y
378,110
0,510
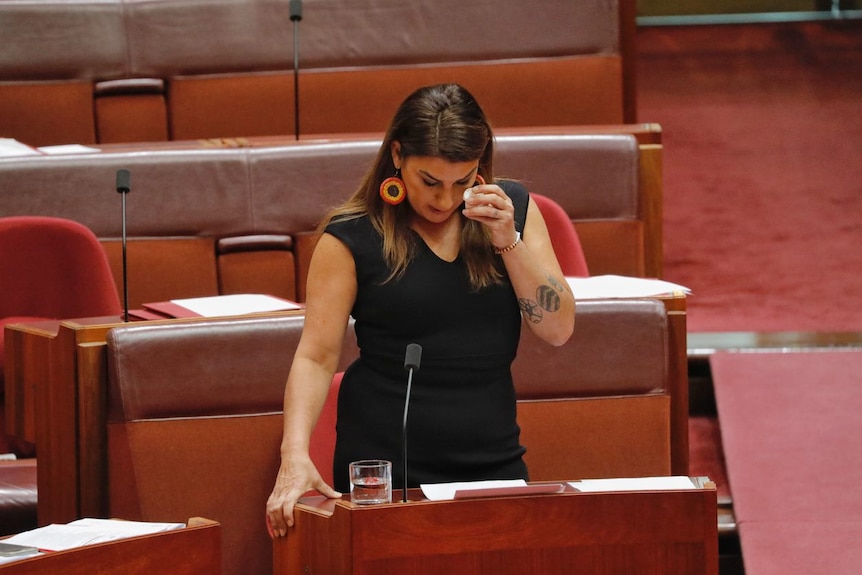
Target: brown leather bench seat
x,y
205,221
198,219
18,490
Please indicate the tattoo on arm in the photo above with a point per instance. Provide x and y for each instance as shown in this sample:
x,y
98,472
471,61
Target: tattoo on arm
x,y
556,284
547,299
530,309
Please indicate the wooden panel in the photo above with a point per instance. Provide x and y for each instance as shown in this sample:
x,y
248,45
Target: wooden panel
x,y
131,118
56,435
92,380
511,94
165,268
230,106
42,114
635,532
269,272
678,378
613,247
27,348
650,193
194,550
583,438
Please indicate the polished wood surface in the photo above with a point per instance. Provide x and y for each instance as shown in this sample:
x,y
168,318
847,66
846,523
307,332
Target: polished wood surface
x,y
194,550
647,532
678,368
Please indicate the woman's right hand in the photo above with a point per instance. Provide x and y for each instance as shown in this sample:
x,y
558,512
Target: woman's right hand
x,y
296,477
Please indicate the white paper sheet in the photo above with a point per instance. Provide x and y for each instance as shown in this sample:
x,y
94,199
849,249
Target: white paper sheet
x,y
57,537
10,148
634,484
613,286
446,491
235,304
67,149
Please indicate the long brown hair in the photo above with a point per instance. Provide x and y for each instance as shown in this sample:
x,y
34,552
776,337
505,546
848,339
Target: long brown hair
x,y
442,121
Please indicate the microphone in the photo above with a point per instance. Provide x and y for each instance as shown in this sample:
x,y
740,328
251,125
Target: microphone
x,y
295,10
295,17
411,363
123,188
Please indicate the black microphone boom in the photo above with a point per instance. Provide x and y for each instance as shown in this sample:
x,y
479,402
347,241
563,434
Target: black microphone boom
x,y
411,363
295,17
123,188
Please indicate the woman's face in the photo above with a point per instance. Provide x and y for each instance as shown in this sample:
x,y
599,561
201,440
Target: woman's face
x,y
435,187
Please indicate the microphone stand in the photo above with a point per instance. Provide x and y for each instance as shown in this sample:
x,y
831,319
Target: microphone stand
x,y
404,435
412,358
123,188
295,17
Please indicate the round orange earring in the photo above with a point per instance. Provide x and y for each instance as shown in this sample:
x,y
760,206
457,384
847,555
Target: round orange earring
x,y
392,190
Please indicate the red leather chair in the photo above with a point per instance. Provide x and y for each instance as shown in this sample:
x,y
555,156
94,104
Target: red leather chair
x,y
564,238
52,268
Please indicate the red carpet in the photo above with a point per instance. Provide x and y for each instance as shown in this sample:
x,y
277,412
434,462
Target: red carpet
x,y
790,425
762,128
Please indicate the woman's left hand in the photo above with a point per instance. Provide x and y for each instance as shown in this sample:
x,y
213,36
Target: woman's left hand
x,y
489,204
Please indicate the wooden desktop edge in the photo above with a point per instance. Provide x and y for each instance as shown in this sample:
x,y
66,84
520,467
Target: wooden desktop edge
x,y
321,521
154,546
323,506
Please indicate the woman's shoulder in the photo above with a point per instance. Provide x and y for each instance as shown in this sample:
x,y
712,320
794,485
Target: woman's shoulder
x,y
349,224
355,231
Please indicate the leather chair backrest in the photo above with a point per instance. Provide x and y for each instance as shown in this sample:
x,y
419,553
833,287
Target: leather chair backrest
x,y
195,424
53,268
600,405
564,237
619,347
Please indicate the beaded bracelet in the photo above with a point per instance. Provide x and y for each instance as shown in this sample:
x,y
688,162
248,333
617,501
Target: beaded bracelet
x,y
511,246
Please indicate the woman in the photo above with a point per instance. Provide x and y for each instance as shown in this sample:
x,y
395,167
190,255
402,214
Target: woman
x,y
424,252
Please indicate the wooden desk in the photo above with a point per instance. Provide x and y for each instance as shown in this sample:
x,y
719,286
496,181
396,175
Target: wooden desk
x,y
646,532
193,550
56,385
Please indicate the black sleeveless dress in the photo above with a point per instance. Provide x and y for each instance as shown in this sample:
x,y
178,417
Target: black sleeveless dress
x,y
462,418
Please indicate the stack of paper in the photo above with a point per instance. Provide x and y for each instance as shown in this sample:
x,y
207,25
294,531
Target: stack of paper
x,y
613,286
634,484
57,537
215,306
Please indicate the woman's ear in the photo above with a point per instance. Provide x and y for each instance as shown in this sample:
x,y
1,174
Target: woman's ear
x,y
395,150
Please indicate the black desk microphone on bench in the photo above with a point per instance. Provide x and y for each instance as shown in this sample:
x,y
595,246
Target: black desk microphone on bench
x,y
411,363
123,188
